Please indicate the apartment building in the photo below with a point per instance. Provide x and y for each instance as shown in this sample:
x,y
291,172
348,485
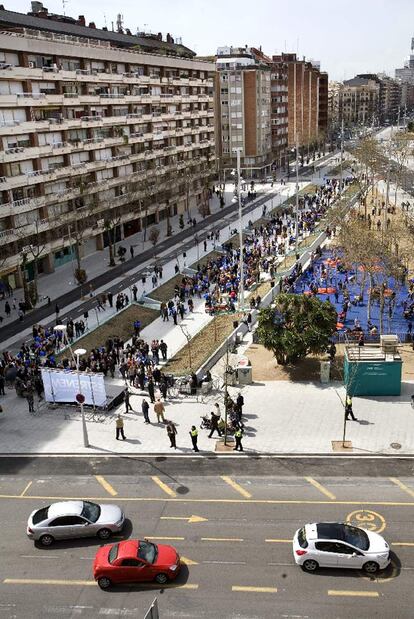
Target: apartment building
x,y
359,101
307,100
243,88
101,133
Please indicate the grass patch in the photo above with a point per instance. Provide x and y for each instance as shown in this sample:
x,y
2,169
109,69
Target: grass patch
x,y
311,188
166,292
202,345
213,255
121,325
346,164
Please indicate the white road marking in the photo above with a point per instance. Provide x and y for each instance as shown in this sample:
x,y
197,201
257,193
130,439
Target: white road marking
x,y
38,557
226,562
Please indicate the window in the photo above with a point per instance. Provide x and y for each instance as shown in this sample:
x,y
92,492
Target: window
x,y
66,521
326,546
91,511
40,515
344,549
132,563
113,553
147,551
303,542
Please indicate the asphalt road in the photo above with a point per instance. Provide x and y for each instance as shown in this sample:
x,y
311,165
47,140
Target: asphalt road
x,y
179,240
238,556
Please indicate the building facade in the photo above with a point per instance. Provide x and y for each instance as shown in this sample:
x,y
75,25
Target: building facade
x,y
102,134
307,100
243,102
359,101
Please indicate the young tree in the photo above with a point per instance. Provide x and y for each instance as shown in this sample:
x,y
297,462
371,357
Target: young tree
x,y
154,236
112,219
295,326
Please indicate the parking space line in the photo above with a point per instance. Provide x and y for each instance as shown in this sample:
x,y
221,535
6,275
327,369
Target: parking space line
x,y
41,581
164,538
402,543
26,489
221,539
402,486
254,589
236,486
105,484
361,594
321,488
278,541
163,486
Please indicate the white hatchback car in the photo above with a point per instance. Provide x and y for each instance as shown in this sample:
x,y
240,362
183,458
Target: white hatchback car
x,y
338,544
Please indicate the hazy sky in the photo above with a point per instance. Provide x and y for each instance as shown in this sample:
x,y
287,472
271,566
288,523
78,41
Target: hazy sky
x,y
347,36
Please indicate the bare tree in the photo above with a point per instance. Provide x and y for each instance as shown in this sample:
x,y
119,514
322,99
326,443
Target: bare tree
x,y
154,236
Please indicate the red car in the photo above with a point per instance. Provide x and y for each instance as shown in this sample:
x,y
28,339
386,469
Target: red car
x,y
133,560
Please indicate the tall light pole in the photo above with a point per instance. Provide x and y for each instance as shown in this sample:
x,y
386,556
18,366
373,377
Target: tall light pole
x,y
241,266
78,352
297,196
342,156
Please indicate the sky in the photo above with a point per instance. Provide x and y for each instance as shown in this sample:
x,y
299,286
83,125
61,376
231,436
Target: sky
x,y
346,36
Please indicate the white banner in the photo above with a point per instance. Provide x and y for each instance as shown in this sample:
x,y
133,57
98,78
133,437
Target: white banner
x,y
63,386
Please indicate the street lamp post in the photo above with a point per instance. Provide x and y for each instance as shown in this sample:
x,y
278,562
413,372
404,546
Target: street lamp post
x,y
78,352
297,197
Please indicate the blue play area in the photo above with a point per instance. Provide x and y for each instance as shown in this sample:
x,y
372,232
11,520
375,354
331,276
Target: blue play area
x,y
328,279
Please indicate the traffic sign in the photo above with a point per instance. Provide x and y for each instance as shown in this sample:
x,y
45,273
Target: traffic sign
x,y
80,398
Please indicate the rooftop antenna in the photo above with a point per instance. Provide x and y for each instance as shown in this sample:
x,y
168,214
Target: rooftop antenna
x,y
119,22
106,25
64,3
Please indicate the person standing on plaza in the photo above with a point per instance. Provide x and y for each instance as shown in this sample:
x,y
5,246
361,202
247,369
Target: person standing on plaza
x,y
194,437
7,309
151,390
238,435
159,410
163,348
128,406
119,428
172,432
30,401
240,404
214,425
145,411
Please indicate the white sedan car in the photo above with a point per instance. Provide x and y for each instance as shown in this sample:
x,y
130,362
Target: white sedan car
x,y
338,544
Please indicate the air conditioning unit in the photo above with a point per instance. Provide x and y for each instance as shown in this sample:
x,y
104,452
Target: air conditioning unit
x,y
32,65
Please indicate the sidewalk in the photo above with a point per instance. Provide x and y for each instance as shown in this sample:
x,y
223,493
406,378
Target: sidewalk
x,y
276,197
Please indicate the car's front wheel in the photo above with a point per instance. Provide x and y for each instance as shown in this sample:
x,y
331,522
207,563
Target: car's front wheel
x,y
310,565
47,540
161,579
370,567
104,533
104,582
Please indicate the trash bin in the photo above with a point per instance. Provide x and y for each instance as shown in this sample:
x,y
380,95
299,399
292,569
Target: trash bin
x,y
244,371
235,324
325,371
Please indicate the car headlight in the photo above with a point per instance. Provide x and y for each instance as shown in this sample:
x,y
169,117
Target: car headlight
x,y
173,567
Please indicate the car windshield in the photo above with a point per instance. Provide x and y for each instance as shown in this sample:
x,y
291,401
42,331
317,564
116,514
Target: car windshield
x,y
91,511
147,551
113,553
40,515
356,537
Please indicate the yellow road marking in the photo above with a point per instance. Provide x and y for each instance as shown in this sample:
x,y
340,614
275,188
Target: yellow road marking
x,y
164,538
211,501
110,490
367,519
189,519
403,487
279,541
254,589
361,594
188,561
26,489
87,583
163,486
402,543
236,486
321,488
222,539
41,581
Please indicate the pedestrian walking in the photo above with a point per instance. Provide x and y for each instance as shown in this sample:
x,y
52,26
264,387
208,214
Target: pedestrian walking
x,y
172,432
2,381
131,251
110,297
238,435
119,428
7,309
163,349
348,409
240,403
194,437
214,425
128,406
134,292
30,401
159,410
145,411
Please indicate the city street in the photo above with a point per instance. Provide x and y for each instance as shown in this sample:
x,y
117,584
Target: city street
x,y
231,520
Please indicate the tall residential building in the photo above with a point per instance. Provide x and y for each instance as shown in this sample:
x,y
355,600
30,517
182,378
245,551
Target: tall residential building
x,y
101,133
243,83
406,73
359,101
307,100
389,101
